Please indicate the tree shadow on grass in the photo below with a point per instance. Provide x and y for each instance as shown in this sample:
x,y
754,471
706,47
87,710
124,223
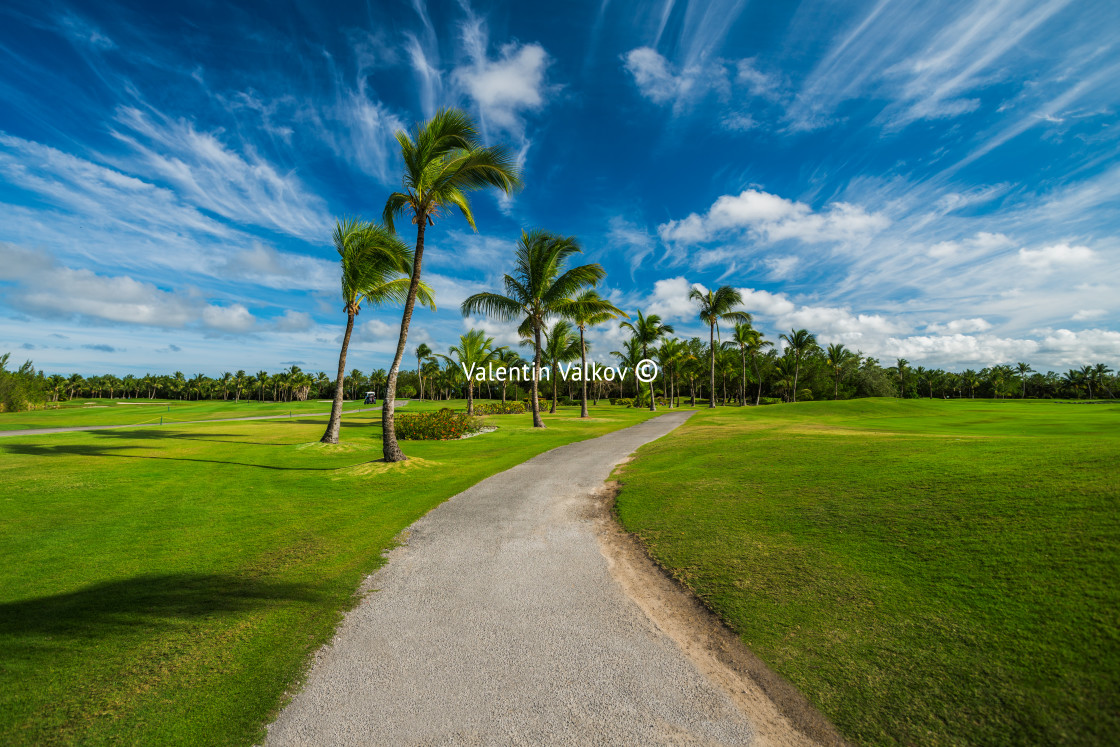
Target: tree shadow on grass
x,y
94,450
141,603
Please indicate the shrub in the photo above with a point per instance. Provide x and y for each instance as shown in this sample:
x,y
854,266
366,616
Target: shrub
x,y
769,400
500,408
623,401
443,425
804,395
406,391
20,389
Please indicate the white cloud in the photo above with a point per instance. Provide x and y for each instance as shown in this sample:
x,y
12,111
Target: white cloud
x,y
504,89
782,268
48,290
1055,255
773,218
294,321
653,76
243,187
669,300
976,324
1086,314
266,266
982,244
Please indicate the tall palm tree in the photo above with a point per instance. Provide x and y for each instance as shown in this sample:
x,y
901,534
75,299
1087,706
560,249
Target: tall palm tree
x,y
475,350
587,310
670,354
838,358
443,161
510,359
800,341
1023,369
901,365
1101,373
647,330
628,357
262,381
375,270
745,337
717,306
539,289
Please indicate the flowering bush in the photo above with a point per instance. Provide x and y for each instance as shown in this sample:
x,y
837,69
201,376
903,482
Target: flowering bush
x,y
500,408
446,424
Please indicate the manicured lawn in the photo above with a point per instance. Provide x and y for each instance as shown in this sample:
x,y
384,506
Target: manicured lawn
x,y
167,585
926,572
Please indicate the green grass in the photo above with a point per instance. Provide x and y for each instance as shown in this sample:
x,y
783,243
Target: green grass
x,y
167,585
926,572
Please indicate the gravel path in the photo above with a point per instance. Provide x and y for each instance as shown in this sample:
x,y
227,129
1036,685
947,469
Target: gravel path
x,y
499,622
77,428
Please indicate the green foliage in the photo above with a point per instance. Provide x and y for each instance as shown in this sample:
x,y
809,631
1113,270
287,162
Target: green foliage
x,y
500,408
769,400
20,389
804,394
407,391
442,425
964,553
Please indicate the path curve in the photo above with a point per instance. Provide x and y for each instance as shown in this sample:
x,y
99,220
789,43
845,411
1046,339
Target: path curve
x,y
499,622
78,428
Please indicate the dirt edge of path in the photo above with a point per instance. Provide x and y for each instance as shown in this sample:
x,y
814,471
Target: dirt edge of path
x,y
779,713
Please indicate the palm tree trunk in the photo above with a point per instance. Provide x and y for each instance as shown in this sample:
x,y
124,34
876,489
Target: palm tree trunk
x,y
555,384
583,375
333,425
470,396
796,370
652,405
419,376
537,422
743,381
712,357
390,450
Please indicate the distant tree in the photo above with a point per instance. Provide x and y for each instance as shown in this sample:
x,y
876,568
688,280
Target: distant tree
x,y
800,341
839,358
647,330
475,350
587,310
714,307
422,352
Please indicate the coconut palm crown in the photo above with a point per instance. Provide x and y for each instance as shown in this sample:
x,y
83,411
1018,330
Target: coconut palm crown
x,y
443,161
647,330
539,289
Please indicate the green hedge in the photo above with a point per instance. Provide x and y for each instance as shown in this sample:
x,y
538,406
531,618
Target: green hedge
x,y
443,425
500,408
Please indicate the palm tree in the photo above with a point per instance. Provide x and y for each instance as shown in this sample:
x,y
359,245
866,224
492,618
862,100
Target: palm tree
x,y
443,160
715,307
1023,369
1101,373
670,353
560,346
901,365
746,338
510,359
587,310
647,330
800,341
375,270
422,351
539,289
838,358
474,351
628,357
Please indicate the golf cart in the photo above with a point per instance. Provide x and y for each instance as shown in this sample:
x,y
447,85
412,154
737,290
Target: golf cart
x,y
371,398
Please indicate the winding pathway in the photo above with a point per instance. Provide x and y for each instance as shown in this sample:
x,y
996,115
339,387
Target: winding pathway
x,y
500,621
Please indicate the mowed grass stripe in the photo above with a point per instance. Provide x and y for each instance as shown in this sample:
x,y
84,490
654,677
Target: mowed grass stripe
x,y
926,572
167,585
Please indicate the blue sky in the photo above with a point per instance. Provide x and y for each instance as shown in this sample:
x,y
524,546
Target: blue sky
x,y
936,181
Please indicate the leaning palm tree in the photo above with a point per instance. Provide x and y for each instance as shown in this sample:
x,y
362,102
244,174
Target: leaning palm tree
x,y
443,161
587,310
800,341
375,270
647,330
539,289
474,351
717,306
